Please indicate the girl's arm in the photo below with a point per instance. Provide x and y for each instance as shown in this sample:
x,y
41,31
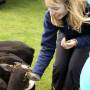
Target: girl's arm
x,y
48,44
84,40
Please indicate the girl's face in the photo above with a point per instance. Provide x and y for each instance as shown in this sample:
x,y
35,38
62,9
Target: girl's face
x,y
57,10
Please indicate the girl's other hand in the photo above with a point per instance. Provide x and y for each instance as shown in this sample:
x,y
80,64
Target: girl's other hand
x,y
68,44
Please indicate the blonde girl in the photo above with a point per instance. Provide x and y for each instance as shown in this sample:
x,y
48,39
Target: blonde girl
x,y
66,30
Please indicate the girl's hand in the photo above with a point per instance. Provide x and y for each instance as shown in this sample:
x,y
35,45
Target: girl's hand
x,y
68,44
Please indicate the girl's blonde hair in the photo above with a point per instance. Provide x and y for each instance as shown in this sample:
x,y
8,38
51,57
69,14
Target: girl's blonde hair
x,y
75,16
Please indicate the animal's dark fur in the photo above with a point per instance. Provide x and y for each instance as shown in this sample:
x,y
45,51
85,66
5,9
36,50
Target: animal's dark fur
x,y
10,53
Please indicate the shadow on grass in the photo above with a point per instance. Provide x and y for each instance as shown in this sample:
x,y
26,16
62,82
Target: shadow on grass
x,y
13,4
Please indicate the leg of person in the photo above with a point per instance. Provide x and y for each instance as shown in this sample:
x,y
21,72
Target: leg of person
x,y
60,67
85,76
76,63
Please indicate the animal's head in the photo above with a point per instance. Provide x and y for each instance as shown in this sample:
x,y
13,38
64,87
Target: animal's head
x,y
20,74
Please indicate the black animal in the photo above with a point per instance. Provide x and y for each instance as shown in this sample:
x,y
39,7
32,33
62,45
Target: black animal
x,y
15,61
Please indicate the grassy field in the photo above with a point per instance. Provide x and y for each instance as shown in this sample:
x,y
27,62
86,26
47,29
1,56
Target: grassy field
x,y
22,20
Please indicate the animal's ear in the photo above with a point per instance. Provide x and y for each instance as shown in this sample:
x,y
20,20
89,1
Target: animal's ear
x,y
6,67
29,69
32,76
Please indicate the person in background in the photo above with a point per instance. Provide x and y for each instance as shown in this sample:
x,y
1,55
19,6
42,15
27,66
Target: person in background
x,y
66,30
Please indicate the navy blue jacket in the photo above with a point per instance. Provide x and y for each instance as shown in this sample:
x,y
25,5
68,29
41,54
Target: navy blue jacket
x,y
49,41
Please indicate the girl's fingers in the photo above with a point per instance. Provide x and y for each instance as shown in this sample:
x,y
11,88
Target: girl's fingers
x,y
63,41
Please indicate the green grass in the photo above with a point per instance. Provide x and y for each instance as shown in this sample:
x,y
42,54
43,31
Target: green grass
x,y
22,20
